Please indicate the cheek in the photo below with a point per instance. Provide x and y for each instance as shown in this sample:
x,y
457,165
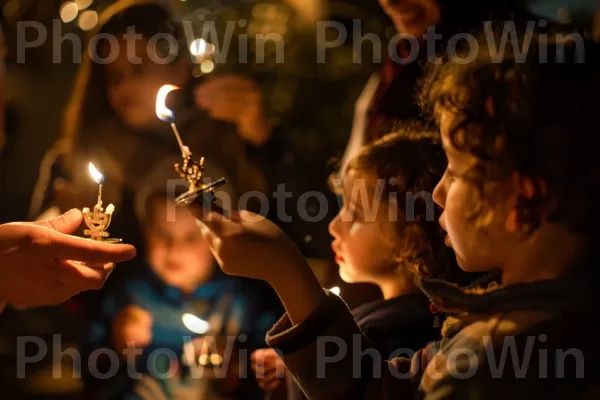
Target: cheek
x,y
474,245
156,254
366,251
459,204
112,92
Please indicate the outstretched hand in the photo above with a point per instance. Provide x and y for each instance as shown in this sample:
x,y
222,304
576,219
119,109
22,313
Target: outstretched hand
x,y
249,245
42,264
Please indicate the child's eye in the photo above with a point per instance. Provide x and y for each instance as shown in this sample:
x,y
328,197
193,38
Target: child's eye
x,y
354,213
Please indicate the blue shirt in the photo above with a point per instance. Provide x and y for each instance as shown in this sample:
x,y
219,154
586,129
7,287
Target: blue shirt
x,y
232,306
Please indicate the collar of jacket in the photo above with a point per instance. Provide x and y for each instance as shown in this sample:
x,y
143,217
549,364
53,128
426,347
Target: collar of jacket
x,y
577,291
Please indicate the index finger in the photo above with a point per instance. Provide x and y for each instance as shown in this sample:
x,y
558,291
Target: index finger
x,y
67,247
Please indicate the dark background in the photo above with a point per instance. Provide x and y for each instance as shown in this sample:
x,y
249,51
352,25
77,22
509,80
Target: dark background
x,y
314,103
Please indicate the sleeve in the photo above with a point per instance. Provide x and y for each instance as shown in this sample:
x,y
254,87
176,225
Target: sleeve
x,y
330,358
51,168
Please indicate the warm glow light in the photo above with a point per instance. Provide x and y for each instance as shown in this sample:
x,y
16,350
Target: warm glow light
x,y
335,290
203,359
83,4
201,47
162,111
195,324
207,66
216,359
96,175
88,20
68,12
11,8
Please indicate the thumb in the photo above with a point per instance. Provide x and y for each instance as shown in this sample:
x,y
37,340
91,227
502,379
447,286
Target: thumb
x,y
66,223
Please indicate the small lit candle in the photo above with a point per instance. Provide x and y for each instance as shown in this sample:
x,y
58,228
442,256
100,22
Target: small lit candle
x,y
98,220
195,324
167,115
188,169
99,179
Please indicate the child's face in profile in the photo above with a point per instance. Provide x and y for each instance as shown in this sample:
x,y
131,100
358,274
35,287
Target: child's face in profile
x,y
133,81
176,250
363,232
480,241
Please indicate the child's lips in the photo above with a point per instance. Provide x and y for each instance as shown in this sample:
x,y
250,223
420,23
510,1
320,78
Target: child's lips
x,y
338,258
175,267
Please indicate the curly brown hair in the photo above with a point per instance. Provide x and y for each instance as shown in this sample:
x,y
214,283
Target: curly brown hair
x,y
534,115
410,162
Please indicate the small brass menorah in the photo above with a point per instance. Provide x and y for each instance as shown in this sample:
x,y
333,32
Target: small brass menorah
x,y
98,222
191,171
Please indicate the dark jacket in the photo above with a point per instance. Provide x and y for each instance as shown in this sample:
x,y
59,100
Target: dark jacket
x,y
398,324
401,325
526,341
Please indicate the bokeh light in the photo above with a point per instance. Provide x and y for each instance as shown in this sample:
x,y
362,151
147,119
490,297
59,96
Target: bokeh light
x,y
88,20
68,11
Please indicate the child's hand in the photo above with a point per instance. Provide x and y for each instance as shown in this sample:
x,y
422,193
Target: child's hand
x,y
132,324
268,368
250,245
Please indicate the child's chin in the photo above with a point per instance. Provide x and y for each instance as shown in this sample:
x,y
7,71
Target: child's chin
x,y
173,280
345,275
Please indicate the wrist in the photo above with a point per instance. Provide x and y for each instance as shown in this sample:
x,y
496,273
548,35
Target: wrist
x,y
255,131
299,290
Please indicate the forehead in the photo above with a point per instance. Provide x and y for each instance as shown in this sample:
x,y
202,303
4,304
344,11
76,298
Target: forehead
x,y
125,53
447,119
358,181
166,212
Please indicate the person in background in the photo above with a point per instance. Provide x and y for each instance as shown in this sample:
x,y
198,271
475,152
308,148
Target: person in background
x,y
111,119
151,312
379,243
389,98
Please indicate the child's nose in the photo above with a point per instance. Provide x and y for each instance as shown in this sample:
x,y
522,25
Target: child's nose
x,y
333,225
439,194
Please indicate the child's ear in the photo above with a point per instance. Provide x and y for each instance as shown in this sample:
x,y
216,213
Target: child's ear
x,y
523,215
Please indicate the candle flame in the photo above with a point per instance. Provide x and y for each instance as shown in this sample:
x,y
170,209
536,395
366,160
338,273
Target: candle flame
x,y
162,111
195,324
96,175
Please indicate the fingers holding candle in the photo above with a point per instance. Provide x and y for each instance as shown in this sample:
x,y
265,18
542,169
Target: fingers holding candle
x,y
39,261
68,247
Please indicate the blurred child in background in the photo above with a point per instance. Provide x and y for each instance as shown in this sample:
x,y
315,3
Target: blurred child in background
x,y
177,295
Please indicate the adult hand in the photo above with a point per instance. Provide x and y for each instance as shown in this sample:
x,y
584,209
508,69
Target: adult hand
x,y
237,100
268,368
41,264
133,324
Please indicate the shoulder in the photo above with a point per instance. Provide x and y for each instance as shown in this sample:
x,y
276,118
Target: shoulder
x,y
551,359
